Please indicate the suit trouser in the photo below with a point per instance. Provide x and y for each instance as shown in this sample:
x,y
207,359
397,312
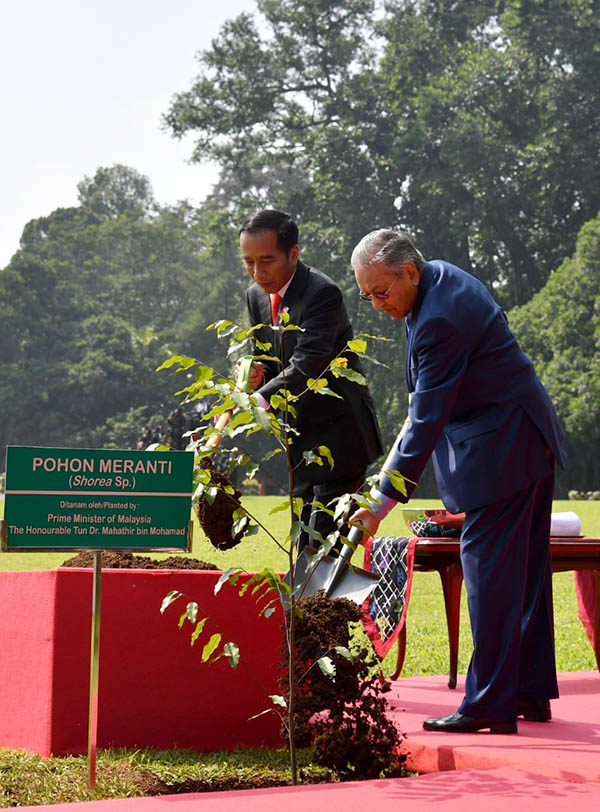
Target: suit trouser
x,y
506,560
317,519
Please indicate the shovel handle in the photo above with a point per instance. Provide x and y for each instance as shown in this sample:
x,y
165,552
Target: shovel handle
x,y
242,379
215,440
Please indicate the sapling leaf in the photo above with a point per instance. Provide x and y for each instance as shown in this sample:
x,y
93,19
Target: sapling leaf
x,y
183,361
327,667
191,611
357,345
232,652
210,647
262,713
226,577
169,598
277,699
325,452
351,375
399,481
198,630
310,457
344,652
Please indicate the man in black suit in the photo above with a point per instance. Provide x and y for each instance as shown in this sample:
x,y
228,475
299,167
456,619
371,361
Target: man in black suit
x,y
346,424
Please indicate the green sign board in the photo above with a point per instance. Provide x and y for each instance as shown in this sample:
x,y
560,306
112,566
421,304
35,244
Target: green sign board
x,y
89,499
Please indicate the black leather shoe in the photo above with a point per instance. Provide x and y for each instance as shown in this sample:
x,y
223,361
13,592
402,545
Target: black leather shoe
x,y
534,711
458,723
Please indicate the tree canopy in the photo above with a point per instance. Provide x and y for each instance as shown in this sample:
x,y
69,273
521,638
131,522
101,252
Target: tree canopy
x,y
475,125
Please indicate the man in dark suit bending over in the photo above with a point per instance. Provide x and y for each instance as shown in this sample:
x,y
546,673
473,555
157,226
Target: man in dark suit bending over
x,y
478,407
347,424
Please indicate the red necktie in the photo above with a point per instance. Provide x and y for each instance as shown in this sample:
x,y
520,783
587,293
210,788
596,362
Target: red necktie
x,y
275,302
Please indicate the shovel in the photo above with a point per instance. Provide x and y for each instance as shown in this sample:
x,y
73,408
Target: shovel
x,y
243,376
334,575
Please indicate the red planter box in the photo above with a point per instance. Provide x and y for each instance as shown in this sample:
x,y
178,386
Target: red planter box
x,y
154,691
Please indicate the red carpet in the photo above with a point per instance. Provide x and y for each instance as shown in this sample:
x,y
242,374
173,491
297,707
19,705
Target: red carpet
x,y
567,748
554,764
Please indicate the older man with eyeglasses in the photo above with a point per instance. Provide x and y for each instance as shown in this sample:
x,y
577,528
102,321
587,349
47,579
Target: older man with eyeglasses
x,y
476,406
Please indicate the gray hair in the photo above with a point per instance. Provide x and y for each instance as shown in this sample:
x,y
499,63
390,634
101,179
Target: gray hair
x,y
392,248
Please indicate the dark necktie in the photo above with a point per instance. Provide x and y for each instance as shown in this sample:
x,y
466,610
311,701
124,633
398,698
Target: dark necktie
x,y
275,302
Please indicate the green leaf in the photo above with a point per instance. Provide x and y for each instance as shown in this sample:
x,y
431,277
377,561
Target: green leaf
x,y
232,652
327,667
357,345
278,402
211,646
225,578
169,598
310,457
191,611
262,713
183,361
320,387
221,325
198,630
344,652
276,699
399,481
210,494
271,454
239,525
376,338
350,374
325,452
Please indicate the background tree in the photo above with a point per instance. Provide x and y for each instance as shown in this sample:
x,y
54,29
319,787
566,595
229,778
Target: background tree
x,y
457,122
94,301
560,331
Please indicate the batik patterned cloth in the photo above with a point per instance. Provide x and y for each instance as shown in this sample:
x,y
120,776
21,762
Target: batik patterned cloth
x,y
384,611
437,524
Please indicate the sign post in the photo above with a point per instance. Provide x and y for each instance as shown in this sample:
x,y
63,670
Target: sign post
x,y
63,499
94,669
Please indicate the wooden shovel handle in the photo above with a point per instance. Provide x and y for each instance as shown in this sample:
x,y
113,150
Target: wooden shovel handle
x,y
215,440
243,376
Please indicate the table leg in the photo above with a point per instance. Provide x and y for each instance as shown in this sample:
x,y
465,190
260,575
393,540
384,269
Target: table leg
x,y
452,578
596,575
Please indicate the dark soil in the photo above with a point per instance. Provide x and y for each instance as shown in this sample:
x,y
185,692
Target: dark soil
x,y
114,559
216,519
344,721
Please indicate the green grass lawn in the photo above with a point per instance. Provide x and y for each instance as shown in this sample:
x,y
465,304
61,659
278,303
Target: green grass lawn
x,y
427,641
28,779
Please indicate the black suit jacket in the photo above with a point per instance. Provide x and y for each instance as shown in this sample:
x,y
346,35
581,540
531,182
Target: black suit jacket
x,y
346,425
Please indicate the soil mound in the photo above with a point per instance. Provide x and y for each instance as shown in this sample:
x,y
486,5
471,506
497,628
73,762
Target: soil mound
x,y
216,518
115,559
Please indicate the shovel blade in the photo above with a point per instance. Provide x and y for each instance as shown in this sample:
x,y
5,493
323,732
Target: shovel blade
x,y
312,575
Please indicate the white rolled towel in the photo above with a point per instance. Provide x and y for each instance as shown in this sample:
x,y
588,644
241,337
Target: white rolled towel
x,y
565,524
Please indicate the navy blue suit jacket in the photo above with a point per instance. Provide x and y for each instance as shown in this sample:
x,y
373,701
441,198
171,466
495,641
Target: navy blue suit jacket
x,y
477,404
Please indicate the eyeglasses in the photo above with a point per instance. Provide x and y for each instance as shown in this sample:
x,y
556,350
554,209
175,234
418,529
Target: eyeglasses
x,y
368,297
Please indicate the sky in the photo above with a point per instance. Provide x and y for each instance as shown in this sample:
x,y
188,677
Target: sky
x,y
84,84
